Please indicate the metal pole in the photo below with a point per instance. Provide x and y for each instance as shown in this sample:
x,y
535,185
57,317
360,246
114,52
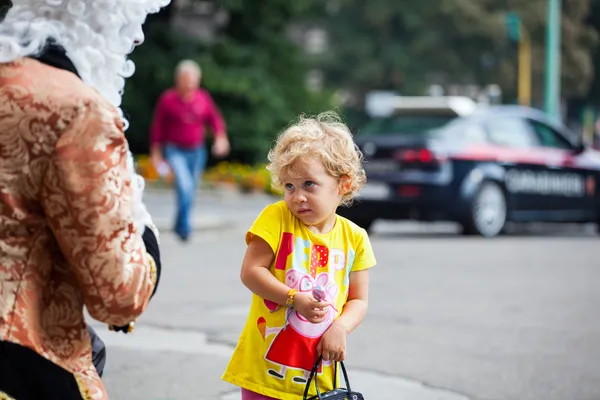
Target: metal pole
x,y
524,68
553,57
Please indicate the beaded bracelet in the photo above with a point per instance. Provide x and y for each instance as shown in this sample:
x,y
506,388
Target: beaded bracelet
x,y
290,299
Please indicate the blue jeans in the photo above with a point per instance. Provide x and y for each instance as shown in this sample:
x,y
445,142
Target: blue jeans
x,y
187,166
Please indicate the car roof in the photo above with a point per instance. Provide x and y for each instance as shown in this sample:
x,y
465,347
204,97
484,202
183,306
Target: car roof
x,y
516,111
466,109
449,105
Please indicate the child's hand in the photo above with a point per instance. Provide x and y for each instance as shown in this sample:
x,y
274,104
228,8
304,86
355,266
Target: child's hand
x,y
314,311
332,345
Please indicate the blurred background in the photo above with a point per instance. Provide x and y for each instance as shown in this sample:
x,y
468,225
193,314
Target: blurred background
x,y
265,62
481,112
478,119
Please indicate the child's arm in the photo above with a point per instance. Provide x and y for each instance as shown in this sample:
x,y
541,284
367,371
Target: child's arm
x,y
356,307
333,343
257,277
255,273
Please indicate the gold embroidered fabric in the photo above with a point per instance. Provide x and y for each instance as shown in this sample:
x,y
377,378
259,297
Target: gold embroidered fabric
x,y
153,269
67,239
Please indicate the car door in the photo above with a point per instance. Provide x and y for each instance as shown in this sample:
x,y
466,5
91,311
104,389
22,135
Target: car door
x,y
572,174
516,148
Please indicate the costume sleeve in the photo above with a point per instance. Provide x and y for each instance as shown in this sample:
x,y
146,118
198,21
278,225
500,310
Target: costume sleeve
x,y
268,226
153,249
214,117
365,258
87,198
158,122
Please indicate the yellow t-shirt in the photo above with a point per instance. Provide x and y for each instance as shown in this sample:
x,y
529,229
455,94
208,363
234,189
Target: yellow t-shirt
x,y
277,348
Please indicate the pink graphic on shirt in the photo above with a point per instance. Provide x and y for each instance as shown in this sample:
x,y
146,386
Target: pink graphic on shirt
x,y
294,346
285,249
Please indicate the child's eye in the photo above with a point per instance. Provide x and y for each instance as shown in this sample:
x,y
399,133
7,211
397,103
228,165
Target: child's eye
x,y
309,184
289,186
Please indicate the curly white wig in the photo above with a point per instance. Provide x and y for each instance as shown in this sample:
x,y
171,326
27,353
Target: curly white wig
x,y
97,36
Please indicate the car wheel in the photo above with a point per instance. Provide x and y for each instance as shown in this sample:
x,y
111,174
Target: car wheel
x,y
488,211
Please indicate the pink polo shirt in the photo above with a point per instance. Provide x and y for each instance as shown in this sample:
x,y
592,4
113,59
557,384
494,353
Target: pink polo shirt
x,y
182,122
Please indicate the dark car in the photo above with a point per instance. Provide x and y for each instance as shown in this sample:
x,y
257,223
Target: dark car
x,y
481,169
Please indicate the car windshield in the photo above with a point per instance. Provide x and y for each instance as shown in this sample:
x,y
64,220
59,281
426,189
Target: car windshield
x,y
405,124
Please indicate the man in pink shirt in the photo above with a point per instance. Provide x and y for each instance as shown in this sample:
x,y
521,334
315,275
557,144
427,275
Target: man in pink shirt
x,y
177,136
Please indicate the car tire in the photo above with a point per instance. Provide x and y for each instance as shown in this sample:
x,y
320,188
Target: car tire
x,y
488,211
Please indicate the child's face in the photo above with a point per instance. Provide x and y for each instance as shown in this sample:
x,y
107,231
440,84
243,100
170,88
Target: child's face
x,y
312,194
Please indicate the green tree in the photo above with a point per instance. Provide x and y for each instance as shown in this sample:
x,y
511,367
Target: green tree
x,y
378,45
258,74
593,95
254,72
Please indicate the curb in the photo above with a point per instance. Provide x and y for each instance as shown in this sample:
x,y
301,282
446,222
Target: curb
x,y
202,224
215,192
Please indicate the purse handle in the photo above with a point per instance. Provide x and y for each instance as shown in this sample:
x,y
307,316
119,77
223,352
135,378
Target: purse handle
x,y
313,374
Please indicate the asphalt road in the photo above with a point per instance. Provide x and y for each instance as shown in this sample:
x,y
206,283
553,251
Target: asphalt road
x,y
450,318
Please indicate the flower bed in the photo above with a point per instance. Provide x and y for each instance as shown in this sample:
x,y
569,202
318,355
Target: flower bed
x,y
245,178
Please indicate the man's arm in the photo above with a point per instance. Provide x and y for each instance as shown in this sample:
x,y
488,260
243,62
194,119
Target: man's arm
x,y
87,197
214,118
216,122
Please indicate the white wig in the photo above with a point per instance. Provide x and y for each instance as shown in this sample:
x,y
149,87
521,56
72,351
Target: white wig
x,y
97,36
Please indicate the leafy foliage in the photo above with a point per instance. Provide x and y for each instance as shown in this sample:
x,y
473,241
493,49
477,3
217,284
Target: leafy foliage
x,y
450,41
253,71
256,74
594,22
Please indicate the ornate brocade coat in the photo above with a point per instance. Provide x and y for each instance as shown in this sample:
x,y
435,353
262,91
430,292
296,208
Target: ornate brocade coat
x,y
67,238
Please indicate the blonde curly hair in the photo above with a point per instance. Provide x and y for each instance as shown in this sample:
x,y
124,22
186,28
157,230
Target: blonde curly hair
x,y
325,137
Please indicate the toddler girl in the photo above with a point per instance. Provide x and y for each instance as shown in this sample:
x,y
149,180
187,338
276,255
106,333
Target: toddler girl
x,y
295,246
